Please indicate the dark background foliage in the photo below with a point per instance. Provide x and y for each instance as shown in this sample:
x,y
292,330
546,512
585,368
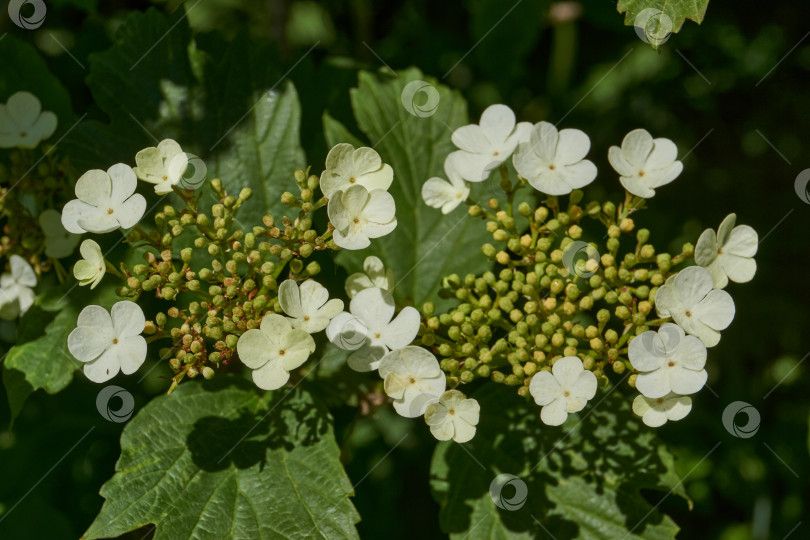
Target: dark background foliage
x,y
732,93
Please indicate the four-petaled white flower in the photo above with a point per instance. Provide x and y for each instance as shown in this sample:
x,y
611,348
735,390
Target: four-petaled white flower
x,y
23,123
16,288
439,193
486,145
359,214
668,361
728,254
554,162
91,268
656,412
691,300
413,378
109,342
163,166
106,201
59,243
273,350
308,305
644,163
369,331
374,274
347,167
453,417
565,389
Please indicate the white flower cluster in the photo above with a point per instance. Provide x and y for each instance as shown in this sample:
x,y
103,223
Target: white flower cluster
x,y
109,342
379,341
671,361
23,123
356,182
550,160
17,288
281,344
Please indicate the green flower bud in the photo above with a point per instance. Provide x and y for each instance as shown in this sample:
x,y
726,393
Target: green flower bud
x,y
231,340
622,312
313,268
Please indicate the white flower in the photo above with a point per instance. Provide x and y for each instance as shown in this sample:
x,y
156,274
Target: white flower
x,y
347,167
453,417
439,193
359,214
23,124
58,242
163,166
374,275
644,163
668,361
16,288
554,162
485,146
106,201
728,254
109,342
91,268
656,412
274,349
413,378
369,331
692,302
308,305
566,389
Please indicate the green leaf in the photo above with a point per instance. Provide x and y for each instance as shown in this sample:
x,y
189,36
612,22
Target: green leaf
x,y
334,132
25,70
583,480
41,363
223,460
426,245
662,17
224,102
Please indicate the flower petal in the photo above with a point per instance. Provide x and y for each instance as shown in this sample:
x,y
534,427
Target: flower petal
x,y
86,343
271,376
573,145
544,388
554,413
716,310
103,368
374,307
94,187
497,121
685,381
131,354
253,348
637,146
403,329
654,384
130,212
127,319
289,297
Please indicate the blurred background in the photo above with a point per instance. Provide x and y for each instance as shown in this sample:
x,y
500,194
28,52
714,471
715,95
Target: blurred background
x,y
732,93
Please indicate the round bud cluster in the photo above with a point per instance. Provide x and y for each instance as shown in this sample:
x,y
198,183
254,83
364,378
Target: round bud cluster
x,y
226,277
552,293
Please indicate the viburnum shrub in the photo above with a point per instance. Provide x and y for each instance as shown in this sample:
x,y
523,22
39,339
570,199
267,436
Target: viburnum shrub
x,y
576,290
